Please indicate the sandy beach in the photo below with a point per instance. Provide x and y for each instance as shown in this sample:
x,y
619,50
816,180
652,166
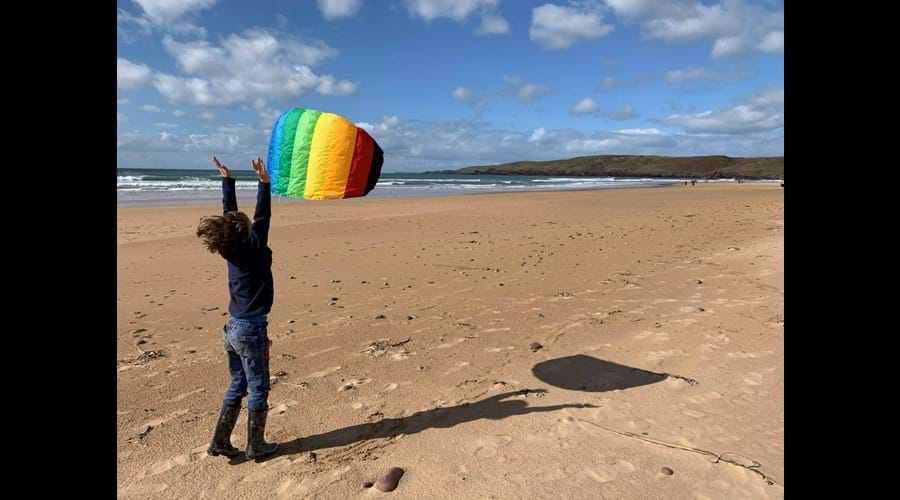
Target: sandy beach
x,y
404,334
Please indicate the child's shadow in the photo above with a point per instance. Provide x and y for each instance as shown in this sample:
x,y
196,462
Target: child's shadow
x,y
492,408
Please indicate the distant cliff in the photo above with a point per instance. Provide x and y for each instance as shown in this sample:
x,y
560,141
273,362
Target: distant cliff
x,y
701,167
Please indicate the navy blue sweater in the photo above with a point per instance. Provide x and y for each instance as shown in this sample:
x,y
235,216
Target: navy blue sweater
x,y
250,268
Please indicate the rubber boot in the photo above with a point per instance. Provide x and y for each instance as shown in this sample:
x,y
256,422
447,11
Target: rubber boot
x,y
221,442
257,447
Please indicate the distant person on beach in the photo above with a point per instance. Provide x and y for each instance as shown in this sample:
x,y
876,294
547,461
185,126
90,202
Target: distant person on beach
x,y
244,246
693,182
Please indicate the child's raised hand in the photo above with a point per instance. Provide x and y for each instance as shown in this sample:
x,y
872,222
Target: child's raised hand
x,y
260,168
222,168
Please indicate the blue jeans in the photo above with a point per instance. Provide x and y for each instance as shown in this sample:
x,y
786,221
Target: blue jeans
x,y
247,346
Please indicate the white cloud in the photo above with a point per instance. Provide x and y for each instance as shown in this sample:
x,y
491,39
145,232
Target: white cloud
x,y
254,66
467,95
689,75
417,145
178,113
765,111
639,131
328,85
162,12
556,27
493,25
537,135
150,108
530,92
422,145
525,91
585,106
267,117
336,9
281,21
457,10
227,139
773,43
121,100
120,118
131,76
207,115
736,26
166,125
124,19
626,113
462,94
387,124
165,15
768,97
611,83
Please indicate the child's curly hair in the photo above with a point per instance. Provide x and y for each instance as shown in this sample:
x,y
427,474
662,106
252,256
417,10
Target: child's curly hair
x,y
224,233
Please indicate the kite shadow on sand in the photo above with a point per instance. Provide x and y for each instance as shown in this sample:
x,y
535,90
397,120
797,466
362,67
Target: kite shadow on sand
x,y
579,372
585,373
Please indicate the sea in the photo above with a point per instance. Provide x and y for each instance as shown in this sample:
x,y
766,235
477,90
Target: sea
x,y
154,187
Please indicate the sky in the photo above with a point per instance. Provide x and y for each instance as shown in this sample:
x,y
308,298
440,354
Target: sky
x,y
445,84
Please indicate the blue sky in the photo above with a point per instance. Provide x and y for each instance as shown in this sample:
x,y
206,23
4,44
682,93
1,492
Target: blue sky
x,y
451,83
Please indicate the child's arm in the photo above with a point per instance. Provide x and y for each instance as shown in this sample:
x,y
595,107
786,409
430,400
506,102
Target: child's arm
x,y
229,197
259,231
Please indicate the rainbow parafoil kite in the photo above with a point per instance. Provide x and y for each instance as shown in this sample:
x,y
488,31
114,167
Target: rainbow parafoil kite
x,y
322,156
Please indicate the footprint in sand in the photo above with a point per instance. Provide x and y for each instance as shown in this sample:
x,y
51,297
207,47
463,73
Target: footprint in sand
x,y
604,473
661,355
143,489
401,355
156,422
746,355
186,394
459,366
487,447
322,373
652,336
693,413
700,399
280,409
353,384
676,383
753,378
166,465
452,343
312,354
292,487
719,337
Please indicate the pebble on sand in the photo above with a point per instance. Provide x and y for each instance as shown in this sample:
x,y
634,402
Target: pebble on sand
x,y
535,346
667,471
390,480
379,316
